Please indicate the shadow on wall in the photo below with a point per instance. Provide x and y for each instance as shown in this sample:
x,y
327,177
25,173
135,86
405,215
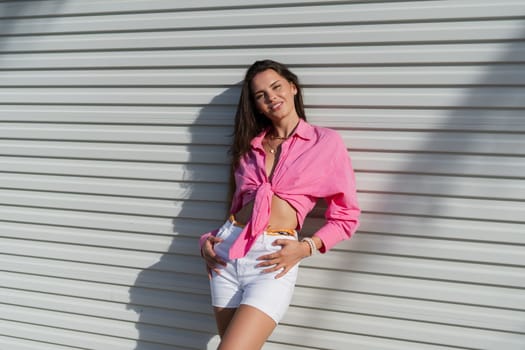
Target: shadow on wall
x,y
171,297
10,10
487,107
461,153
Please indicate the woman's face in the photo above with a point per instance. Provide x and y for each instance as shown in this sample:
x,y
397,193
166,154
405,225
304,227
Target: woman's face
x,y
274,95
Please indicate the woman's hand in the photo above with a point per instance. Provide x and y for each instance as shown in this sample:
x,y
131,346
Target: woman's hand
x,y
290,254
209,255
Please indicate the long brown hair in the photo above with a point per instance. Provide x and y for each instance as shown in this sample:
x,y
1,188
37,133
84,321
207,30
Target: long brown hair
x,y
249,122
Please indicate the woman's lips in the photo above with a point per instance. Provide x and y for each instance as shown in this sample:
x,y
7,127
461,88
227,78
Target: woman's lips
x,y
276,106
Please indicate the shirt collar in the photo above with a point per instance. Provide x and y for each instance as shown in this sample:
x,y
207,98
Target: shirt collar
x,y
303,130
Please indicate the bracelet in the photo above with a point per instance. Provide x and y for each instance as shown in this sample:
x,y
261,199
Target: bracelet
x,y
311,243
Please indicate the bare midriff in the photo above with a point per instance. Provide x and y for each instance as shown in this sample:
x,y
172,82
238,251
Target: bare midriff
x,y
282,214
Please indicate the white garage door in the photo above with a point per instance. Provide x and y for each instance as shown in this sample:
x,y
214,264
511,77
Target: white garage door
x,y
115,119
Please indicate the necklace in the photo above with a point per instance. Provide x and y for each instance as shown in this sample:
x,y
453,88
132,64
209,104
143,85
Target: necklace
x,y
273,137
280,139
272,148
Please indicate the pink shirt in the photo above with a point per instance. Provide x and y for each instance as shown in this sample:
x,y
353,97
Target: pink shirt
x,y
313,164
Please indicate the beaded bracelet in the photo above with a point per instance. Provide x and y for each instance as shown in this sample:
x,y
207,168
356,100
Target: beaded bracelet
x,y
311,243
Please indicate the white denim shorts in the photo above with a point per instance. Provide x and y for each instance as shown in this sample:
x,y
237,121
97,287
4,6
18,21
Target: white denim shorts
x,y
241,282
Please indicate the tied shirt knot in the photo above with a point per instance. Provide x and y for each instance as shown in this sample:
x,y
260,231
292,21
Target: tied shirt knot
x,y
257,223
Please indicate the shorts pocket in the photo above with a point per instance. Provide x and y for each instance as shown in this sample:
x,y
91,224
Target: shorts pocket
x,y
225,230
269,239
228,233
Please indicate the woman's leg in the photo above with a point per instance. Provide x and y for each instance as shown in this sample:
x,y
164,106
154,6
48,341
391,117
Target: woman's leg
x,y
223,317
247,330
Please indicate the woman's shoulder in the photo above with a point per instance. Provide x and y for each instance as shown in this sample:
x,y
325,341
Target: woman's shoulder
x,y
327,135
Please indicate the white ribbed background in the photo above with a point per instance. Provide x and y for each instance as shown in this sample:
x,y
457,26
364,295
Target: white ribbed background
x,y
115,118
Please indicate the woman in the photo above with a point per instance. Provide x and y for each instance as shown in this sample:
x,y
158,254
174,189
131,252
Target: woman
x,y
281,165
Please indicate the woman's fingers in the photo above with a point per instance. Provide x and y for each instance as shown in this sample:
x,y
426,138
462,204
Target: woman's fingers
x,y
213,240
275,262
285,259
283,272
210,257
208,249
279,266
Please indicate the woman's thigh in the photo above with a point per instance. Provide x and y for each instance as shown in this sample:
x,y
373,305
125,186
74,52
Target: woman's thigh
x,y
248,329
223,317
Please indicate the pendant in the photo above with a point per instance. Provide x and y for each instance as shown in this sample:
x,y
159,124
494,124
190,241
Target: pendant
x,y
272,151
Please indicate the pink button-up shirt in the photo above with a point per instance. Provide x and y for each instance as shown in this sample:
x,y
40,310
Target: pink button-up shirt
x,y
313,164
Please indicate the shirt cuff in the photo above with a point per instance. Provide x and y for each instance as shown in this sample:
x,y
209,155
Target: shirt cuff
x,y
334,232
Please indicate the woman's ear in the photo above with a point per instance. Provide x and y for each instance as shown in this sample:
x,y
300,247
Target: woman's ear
x,y
294,88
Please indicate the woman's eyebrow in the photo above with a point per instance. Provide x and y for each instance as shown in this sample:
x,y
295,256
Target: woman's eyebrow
x,y
271,85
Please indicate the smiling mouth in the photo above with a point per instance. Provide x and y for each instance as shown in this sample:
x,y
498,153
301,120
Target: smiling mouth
x,y
276,106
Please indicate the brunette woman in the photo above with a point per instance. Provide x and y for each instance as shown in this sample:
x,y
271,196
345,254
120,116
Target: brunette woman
x,y
281,166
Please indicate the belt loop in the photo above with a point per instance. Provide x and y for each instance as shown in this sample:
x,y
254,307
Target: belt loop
x,y
234,222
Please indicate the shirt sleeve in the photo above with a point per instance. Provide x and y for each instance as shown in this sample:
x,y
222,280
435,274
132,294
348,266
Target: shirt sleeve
x,y
342,213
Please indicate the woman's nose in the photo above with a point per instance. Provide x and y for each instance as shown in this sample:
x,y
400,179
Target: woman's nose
x,y
271,96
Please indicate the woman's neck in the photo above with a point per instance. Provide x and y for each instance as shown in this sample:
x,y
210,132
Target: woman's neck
x,y
284,130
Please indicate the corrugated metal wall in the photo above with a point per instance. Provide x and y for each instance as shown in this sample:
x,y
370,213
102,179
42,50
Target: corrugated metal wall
x,y
114,122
